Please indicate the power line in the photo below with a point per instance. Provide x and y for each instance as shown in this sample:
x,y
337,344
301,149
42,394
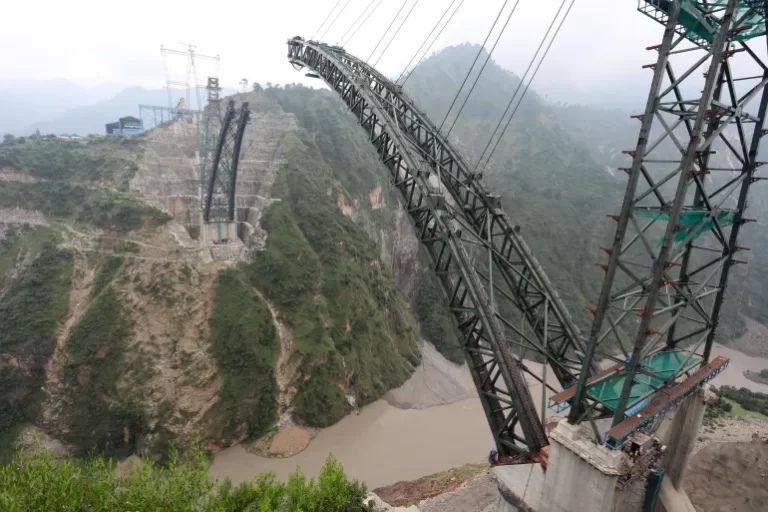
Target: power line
x,y
482,68
326,19
334,20
529,82
522,80
473,64
426,39
431,44
386,31
344,43
396,32
355,22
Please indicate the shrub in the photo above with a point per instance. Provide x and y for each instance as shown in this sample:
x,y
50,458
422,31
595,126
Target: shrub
x,y
37,481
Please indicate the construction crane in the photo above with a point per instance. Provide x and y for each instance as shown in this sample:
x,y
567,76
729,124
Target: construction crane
x,y
649,346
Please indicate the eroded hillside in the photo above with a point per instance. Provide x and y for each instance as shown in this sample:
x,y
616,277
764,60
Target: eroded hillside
x,y
120,332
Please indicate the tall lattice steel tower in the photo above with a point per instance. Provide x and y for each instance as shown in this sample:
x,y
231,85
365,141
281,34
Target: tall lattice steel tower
x,y
685,203
207,133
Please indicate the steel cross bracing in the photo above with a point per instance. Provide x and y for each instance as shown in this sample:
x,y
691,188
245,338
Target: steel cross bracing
x,y
677,231
222,178
487,271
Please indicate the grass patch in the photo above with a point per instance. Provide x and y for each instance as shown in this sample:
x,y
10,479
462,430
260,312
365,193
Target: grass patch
x,y
245,344
126,246
737,411
109,268
30,310
99,207
738,403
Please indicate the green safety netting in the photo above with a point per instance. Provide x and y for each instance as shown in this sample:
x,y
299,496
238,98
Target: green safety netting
x,y
692,18
689,220
664,364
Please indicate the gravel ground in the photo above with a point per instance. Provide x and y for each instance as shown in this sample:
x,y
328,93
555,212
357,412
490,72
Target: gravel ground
x,y
437,381
731,431
478,494
729,477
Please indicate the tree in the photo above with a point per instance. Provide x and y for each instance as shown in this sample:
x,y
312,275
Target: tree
x,y
244,83
37,481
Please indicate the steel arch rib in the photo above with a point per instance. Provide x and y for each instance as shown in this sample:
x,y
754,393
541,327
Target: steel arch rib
x,y
456,213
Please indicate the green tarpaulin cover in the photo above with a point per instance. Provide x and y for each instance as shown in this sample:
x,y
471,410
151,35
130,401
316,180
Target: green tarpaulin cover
x,y
689,220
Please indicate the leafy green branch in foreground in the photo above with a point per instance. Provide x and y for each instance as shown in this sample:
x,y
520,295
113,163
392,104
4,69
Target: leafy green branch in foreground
x,y
35,481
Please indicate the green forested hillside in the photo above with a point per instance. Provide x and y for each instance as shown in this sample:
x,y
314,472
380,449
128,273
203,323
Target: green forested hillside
x,y
351,325
32,303
548,181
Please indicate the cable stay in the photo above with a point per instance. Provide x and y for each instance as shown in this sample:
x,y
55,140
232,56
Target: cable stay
x,y
522,80
326,19
334,20
469,72
355,22
406,68
387,31
482,68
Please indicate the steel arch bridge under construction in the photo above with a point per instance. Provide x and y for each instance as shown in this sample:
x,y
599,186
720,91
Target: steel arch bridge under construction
x,y
663,299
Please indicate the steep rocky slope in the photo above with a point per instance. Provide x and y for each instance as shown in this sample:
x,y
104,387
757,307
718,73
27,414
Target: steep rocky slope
x,y
141,336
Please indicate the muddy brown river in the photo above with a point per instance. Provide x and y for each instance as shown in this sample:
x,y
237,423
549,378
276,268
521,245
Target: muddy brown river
x,y
383,444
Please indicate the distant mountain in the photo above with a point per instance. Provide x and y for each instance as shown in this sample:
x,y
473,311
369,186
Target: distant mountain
x,y
550,181
24,102
91,118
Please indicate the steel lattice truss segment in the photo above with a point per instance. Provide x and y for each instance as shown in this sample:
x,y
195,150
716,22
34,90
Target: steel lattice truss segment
x,y
678,228
219,201
486,269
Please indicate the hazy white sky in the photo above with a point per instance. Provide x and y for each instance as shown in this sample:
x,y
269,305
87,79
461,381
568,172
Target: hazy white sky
x,y
89,42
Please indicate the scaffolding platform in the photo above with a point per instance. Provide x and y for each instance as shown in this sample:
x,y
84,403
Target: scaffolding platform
x,y
663,402
606,386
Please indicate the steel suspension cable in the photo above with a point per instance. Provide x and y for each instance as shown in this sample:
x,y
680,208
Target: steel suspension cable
x,y
430,44
396,32
334,20
482,68
529,82
355,22
386,31
326,19
520,84
473,64
349,39
425,40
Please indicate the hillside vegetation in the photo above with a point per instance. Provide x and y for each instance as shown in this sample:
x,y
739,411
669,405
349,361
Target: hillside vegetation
x,y
32,304
37,481
351,325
